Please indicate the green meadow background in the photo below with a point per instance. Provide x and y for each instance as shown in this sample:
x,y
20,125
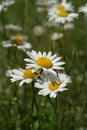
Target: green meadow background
x,y
15,101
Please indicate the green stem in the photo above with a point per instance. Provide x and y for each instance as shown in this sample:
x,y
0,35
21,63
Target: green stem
x,y
36,106
32,106
34,102
63,31
53,46
3,25
62,42
55,115
26,10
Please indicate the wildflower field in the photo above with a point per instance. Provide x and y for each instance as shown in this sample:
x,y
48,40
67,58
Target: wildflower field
x,y
43,64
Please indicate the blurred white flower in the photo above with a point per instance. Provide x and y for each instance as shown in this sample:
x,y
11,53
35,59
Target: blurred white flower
x,y
5,4
1,7
17,42
68,26
13,27
46,2
55,36
19,36
50,24
42,9
83,9
38,30
52,84
8,2
45,61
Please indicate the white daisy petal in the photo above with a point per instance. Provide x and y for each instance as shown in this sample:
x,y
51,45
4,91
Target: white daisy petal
x,y
25,81
39,54
49,54
52,95
29,60
44,54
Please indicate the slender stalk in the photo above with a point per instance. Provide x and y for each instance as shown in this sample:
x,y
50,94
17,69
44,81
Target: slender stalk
x,y
53,122
62,42
34,103
26,10
36,106
55,113
3,24
53,47
63,31
32,106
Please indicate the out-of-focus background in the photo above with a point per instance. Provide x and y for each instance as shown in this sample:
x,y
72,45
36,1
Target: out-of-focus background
x,y
15,101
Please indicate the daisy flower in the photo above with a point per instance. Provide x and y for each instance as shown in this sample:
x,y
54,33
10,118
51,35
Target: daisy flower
x,y
1,7
64,79
19,36
20,44
24,76
44,4
56,36
47,62
38,30
83,9
12,27
68,26
5,4
63,6
8,3
62,17
51,85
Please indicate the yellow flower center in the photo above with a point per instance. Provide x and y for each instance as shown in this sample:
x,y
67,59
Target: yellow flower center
x,y
44,62
53,86
18,36
17,42
62,14
29,74
60,7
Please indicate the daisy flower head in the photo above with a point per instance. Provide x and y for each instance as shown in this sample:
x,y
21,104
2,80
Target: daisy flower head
x,y
68,26
45,61
64,79
83,9
19,36
8,2
52,85
44,4
63,6
1,7
56,36
12,27
17,42
38,30
62,16
23,75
